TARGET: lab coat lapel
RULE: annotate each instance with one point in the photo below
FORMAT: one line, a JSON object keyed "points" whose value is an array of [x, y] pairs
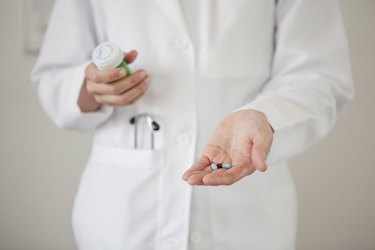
{"points": [[172, 9]]}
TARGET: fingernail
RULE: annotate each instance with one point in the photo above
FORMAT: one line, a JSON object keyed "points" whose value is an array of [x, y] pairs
{"points": [[191, 182], [122, 73], [142, 74], [147, 79]]}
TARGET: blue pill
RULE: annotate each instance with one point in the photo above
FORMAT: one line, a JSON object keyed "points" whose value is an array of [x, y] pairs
{"points": [[214, 166], [226, 165]]}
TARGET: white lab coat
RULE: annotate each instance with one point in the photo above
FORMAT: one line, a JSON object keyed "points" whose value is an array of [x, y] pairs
{"points": [[286, 58]]}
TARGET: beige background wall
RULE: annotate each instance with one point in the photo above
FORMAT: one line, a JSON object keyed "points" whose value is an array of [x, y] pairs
{"points": [[40, 165]]}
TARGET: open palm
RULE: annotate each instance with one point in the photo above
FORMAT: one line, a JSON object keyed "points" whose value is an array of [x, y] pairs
{"points": [[243, 140]]}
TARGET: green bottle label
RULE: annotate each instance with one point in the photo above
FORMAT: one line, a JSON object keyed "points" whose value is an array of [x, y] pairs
{"points": [[124, 65]]}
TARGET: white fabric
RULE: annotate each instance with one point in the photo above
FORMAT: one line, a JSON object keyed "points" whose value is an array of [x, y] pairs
{"points": [[193, 18], [286, 58]]}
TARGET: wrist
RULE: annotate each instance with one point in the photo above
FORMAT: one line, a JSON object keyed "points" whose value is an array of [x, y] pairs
{"points": [[260, 115], [86, 101]]}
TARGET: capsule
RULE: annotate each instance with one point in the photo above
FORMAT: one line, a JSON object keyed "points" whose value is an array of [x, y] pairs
{"points": [[214, 166], [226, 165]]}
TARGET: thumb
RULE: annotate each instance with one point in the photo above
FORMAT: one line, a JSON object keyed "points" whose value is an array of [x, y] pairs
{"points": [[259, 159], [130, 56], [262, 143]]}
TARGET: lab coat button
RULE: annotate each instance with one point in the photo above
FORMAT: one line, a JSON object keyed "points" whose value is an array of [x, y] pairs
{"points": [[181, 43], [196, 237], [182, 140]]}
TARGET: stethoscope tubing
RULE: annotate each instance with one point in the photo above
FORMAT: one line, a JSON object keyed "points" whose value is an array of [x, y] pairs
{"points": [[152, 125]]}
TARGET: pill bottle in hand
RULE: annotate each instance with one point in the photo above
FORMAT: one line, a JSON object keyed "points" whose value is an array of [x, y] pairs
{"points": [[108, 56]]}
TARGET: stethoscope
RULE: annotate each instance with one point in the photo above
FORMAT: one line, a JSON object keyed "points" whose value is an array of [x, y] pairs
{"points": [[152, 125]]}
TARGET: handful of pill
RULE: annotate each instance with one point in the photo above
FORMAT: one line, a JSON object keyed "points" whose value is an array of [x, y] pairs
{"points": [[216, 166]]}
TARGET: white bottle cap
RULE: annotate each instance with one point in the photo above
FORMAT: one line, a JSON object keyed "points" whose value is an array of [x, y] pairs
{"points": [[107, 56]]}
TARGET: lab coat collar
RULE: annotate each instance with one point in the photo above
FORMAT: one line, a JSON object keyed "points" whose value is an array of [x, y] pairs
{"points": [[173, 10]]}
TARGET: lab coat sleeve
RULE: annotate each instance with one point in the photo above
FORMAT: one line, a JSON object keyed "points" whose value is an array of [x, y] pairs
{"points": [[59, 72], [311, 77]]}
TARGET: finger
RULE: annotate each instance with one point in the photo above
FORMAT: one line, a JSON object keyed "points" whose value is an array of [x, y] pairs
{"points": [[125, 98], [197, 178], [262, 143], [219, 178], [194, 177], [116, 88], [137, 98], [90, 72], [131, 56], [139, 95], [206, 170], [106, 76], [227, 176], [199, 165], [216, 178]]}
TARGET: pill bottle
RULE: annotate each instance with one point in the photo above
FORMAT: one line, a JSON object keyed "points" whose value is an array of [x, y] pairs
{"points": [[108, 56]]}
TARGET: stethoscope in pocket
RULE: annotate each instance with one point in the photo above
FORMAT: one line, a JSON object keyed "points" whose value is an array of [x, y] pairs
{"points": [[139, 121]]}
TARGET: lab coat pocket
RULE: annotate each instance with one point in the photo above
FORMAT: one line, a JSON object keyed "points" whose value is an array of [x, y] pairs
{"points": [[117, 202], [125, 157]]}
